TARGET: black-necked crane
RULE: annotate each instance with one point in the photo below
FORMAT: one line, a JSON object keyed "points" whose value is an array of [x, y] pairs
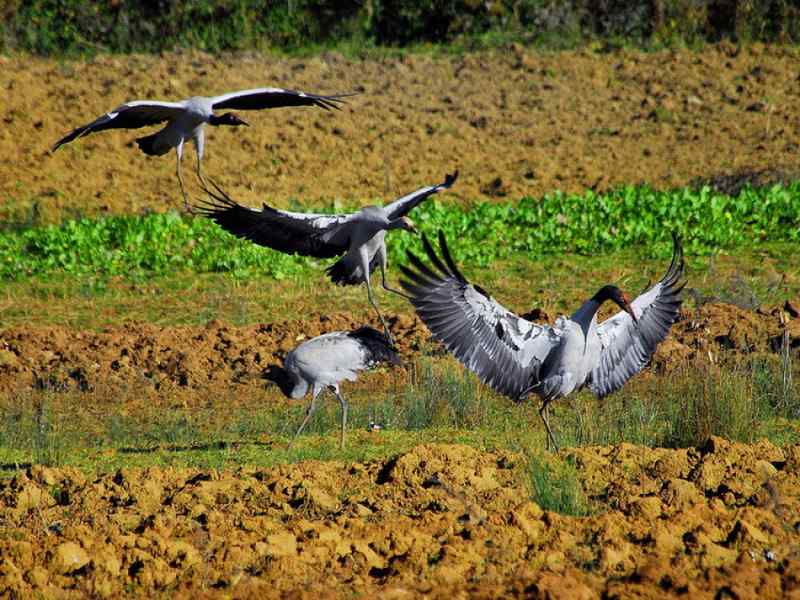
{"points": [[186, 119], [359, 236], [517, 357], [325, 361]]}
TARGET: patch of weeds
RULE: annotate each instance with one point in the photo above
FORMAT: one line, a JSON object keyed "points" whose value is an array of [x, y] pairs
{"points": [[734, 401], [555, 485], [448, 397], [47, 439]]}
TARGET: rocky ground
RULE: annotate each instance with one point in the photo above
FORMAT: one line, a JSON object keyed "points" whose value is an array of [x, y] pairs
{"points": [[514, 122], [443, 521]]}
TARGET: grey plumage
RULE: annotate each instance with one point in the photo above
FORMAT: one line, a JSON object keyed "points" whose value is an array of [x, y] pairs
{"points": [[358, 238], [517, 357], [186, 119], [326, 360]]}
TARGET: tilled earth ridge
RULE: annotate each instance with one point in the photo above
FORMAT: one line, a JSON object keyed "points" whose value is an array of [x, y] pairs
{"points": [[720, 521], [514, 121], [153, 359]]}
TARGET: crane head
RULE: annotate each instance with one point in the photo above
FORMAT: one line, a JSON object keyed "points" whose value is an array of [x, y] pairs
{"points": [[230, 119], [407, 224], [616, 295]]}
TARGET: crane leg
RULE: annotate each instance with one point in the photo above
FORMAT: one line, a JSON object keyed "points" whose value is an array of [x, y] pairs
{"points": [[551, 440], [183, 187], [309, 411], [386, 286], [365, 269], [378, 312], [200, 173], [343, 402]]}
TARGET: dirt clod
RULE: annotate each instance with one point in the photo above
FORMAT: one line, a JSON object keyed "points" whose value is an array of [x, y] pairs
{"points": [[442, 520]]}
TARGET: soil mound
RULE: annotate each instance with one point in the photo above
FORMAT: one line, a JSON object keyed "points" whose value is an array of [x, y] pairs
{"points": [[716, 521], [152, 358]]}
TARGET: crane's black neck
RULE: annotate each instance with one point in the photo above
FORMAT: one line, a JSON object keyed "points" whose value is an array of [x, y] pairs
{"points": [[607, 292], [280, 377], [589, 309]]}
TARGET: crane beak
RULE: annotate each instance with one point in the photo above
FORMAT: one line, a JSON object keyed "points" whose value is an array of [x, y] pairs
{"points": [[629, 310], [409, 226], [626, 306]]}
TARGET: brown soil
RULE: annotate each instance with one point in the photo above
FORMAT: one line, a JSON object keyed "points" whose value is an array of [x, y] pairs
{"points": [[442, 521], [515, 123], [152, 358]]}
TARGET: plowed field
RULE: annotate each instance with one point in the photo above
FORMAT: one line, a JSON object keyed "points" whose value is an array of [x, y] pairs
{"points": [[514, 122]]}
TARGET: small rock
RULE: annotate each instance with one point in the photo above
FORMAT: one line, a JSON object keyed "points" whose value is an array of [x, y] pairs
{"points": [[38, 576], [8, 359], [69, 557], [281, 544], [648, 507], [765, 469], [745, 532], [182, 554], [681, 494]]}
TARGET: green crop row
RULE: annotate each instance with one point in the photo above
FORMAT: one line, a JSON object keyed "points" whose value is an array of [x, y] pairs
{"points": [[479, 233]]}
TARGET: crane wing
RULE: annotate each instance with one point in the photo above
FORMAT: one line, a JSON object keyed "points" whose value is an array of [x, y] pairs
{"points": [[628, 346], [308, 234], [260, 98], [502, 349], [402, 206], [130, 115]]}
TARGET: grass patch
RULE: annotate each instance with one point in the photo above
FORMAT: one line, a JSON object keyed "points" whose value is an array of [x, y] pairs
{"points": [[555, 485], [766, 275], [138, 247], [98, 431]]}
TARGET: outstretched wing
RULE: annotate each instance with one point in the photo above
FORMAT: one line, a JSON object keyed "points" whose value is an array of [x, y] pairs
{"points": [[628, 346], [502, 349], [130, 115], [402, 206], [308, 234], [261, 98]]}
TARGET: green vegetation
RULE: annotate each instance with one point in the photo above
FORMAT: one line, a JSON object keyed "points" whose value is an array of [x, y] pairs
{"points": [[481, 234], [58, 27], [555, 485], [98, 431]]}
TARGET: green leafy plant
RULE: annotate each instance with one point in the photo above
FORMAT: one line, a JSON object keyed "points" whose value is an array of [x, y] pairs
{"points": [[578, 223]]}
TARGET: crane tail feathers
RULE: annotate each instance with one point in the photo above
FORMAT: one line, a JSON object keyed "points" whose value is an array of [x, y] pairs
{"points": [[147, 145], [376, 344]]}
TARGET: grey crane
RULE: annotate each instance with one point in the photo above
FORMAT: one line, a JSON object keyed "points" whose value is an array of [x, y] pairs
{"points": [[359, 237], [186, 119], [326, 360], [517, 357]]}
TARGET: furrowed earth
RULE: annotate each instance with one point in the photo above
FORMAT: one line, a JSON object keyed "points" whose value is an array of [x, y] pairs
{"points": [[438, 520], [514, 122]]}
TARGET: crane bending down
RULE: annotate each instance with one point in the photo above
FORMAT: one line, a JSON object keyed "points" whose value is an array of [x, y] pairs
{"points": [[517, 357], [359, 237], [324, 361], [186, 119]]}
